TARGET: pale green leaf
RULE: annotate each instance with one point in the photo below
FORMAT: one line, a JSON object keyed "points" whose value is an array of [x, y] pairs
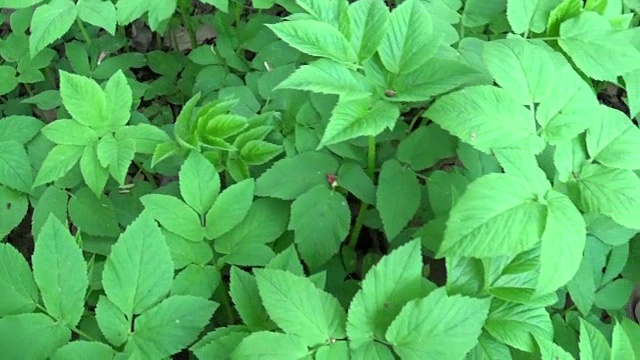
{"points": [[170, 326], [93, 173], [159, 12], [481, 12], [316, 38], [31, 336], [50, 22], [98, 13], [258, 152], [18, 4], [118, 98], [614, 140], [320, 219], [270, 345], [621, 344], [71, 351], [93, 215], [396, 197], [174, 215], [517, 324], [293, 176], [19, 291], [524, 165], [113, 323], [15, 167], [523, 69], [243, 289], [632, 85], [300, 308], [199, 182], [614, 295], [52, 201], [612, 192], [84, 100], [359, 116], [529, 15], [386, 288], [230, 207], [117, 155], [488, 118], [220, 4], [593, 344], [497, 215], [596, 48], [552, 351], [8, 79], [69, 132], [139, 271], [19, 128], [196, 280], [58, 163], [60, 271], [369, 21], [563, 242], [438, 326], [353, 178], [409, 41], [129, 10], [13, 209], [146, 136], [327, 77], [567, 9]]}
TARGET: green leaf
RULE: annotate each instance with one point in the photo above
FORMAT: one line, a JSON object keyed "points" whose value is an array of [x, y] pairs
{"points": [[71, 351], [409, 41], [45, 100], [174, 215], [92, 215], [19, 291], [129, 10], [118, 98], [117, 155], [139, 271], [413, 152], [567, 9], [480, 12], [435, 77], [196, 280], [146, 136], [19, 128], [265, 344], [497, 215], [396, 197], [563, 242], [614, 295], [93, 173], [319, 211], [113, 323], [593, 345], [60, 271], [53, 201], [31, 336], [159, 12], [225, 125], [316, 38], [243, 289], [369, 23], [621, 344], [230, 207], [170, 326], [199, 182], [419, 332], [359, 116], [326, 77], [49, 23], [249, 255], [529, 15], [219, 4], [352, 177], [287, 260], [552, 351], [98, 13], [517, 324], [632, 85], [8, 79], [612, 192], [613, 140], [265, 222], [18, 4], [524, 165], [520, 67], [15, 167], [488, 118], [58, 163], [596, 48], [582, 287], [568, 109], [386, 288], [69, 132], [258, 152], [84, 100], [300, 308], [293, 176]]}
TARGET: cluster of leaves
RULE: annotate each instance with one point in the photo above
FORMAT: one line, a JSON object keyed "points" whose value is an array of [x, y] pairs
{"points": [[351, 180]]}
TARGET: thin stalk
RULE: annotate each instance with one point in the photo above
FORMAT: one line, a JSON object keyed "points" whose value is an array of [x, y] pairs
{"points": [[72, 328], [83, 30], [371, 169], [187, 23]]}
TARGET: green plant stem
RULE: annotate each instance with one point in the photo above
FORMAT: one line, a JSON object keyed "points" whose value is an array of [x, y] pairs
{"points": [[83, 30], [72, 328], [371, 170], [227, 304], [187, 23], [414, 119], [546, 38]]}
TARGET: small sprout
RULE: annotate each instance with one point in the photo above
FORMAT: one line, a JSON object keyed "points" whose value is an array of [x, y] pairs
{"points": [[390, 93]]}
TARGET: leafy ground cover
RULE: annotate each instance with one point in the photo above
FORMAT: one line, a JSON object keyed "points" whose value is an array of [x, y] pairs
{"points": [[319, 179]]}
